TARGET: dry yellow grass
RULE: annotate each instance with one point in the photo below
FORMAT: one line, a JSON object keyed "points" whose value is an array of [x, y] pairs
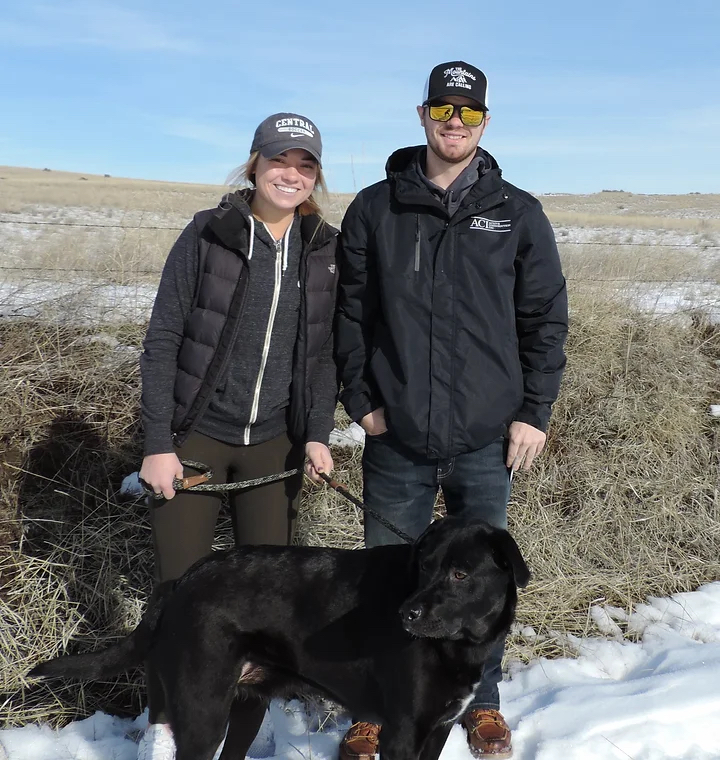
{"points": [[23, 190], [625, 502], [620, 205], [704, 230]]}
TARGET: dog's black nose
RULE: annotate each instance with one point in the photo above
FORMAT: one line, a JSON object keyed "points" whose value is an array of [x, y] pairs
{"points": [[413, 614]]}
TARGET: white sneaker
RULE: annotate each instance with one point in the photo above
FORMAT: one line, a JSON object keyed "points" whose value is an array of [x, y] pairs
{"points": [[156, 743]]}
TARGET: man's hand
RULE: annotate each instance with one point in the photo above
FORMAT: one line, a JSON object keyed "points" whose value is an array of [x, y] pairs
{"points": [[159, 471], [526, 442], [374, 423], [319, 460]]}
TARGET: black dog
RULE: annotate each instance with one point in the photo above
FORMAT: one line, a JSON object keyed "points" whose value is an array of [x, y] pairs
{"points": [[396, 634]]}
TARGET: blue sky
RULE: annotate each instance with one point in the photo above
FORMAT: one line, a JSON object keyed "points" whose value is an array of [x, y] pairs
{"points": [[583, 96]]}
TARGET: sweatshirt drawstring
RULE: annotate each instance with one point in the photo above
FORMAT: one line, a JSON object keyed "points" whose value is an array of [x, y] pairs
{"points": [[252, 237], [286, 246]]}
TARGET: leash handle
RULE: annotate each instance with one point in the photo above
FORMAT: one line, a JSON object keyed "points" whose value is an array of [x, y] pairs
{"points": [[182, 484], [194, 483]]}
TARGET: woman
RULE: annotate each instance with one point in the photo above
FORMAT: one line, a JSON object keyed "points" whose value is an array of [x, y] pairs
{"points": [[237, 371]]}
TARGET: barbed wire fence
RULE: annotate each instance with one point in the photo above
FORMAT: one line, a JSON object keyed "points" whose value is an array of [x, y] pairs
{"points": [[20, 274]]}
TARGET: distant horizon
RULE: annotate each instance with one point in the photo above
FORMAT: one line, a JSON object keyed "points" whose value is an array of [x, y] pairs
{"points": [[107, 175]]}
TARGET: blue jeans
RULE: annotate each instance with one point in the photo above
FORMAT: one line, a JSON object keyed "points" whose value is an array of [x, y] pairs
{"points": [[402, 485]]}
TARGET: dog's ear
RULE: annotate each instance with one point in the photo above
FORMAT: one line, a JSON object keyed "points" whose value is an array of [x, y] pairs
{"points": [[508, 555], [429, 537], [434, 527]]}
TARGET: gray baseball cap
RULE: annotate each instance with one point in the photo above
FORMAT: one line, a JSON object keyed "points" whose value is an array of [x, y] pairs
{"points": [[283, 131]]}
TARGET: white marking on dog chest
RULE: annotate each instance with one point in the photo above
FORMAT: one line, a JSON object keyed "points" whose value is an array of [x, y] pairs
{"points": [[464, 704]]}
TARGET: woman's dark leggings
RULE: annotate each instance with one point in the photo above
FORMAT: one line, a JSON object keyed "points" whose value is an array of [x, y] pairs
{"points": [[183, 529]]}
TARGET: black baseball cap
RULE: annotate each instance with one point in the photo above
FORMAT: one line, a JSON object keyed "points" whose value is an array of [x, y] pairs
{"points": [[283, 131], [456, 78]]}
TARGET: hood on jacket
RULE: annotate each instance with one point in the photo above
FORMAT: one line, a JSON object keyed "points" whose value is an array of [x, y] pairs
{"points": [[408, 185], [402, 160]]}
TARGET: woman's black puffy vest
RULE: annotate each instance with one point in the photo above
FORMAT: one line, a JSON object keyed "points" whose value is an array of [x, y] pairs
{"points": [[215, 319]]}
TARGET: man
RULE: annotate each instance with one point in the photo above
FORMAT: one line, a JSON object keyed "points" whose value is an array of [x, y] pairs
{"points": [[452, 318]]}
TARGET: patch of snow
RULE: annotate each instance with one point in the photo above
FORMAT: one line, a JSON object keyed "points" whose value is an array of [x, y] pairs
{"points": [[654, 699], [353, 435], [79, 302]]}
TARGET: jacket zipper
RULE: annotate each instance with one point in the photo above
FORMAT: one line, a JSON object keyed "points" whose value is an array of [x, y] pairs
{"points": [[417, 242], [280, 260]]}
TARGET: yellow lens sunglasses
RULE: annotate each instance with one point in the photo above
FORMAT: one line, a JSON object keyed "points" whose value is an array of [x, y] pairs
{"points": [[470, 117]]}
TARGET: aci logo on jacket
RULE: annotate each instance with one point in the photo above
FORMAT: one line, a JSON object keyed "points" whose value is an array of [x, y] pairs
{"points": [[490, 225]]}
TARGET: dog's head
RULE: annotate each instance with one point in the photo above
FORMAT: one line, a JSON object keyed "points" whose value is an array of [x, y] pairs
{"points": [[467, 574]]}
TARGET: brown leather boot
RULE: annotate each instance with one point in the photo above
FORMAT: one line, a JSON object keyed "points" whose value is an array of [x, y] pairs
{"points": [[360, 742], [488, 734]]}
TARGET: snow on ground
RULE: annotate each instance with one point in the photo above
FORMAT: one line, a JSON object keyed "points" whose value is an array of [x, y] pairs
{"points": [[99, 303], [82, 215], [630, 236], [654, 699], [671, 297], [80, 302]]}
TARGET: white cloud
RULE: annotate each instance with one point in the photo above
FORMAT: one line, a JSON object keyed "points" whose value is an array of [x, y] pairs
{"points": [[217, 135], [92, 24]]}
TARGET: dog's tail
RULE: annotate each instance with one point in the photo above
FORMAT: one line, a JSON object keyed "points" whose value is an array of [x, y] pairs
{"points": [[127, 653]]}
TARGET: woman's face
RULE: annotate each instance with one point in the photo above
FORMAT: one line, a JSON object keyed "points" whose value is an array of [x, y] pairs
{"points": [[286, 180]]}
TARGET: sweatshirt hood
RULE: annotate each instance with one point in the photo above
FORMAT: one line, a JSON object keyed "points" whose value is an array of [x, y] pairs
{"points": [[231, 222]]}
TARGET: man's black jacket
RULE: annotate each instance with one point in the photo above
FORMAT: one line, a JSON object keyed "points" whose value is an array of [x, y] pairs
{"points": [[455, 325]]}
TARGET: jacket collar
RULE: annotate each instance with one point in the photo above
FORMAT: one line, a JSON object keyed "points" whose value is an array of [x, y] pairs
{"points": [[408, 186], [230, 223]]}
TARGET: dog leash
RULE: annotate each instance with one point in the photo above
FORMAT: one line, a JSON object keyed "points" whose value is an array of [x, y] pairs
{"points": [[199, 482], [195, 483], [343, 491]]}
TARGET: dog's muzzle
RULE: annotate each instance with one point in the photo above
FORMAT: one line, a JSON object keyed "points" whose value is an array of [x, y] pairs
{"points": [[418, 621]]}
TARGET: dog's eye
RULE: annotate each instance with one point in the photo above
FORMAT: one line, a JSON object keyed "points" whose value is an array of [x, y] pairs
{"points": [[459, 575]]}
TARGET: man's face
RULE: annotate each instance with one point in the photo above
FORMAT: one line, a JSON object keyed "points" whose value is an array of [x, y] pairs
{"points": [[452, 141]]}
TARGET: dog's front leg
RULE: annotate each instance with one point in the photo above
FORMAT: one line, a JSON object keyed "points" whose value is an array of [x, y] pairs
{"points": [[410, 739], [246, 717], [435, 741]]}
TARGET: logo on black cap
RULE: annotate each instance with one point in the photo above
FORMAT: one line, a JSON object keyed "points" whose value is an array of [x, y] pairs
{"points": [[458, 77]]}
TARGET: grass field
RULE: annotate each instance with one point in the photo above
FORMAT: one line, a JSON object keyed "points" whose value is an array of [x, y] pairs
{"points": [[625, 502]]}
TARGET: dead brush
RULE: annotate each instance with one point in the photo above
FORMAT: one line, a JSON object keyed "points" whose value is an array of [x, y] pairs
{"points": [[623, 504], [69, 568]]}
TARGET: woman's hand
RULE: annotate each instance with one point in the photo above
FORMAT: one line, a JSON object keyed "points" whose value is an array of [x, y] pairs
{"points": [[159, 471], [319, 460]]}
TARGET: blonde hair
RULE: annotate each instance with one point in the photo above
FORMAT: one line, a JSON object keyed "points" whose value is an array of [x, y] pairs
{"points": [[244, 176]]}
